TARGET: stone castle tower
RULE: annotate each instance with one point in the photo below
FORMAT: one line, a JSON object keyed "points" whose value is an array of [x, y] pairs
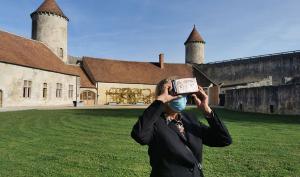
{"points": [[50, 26], [194, 48]]}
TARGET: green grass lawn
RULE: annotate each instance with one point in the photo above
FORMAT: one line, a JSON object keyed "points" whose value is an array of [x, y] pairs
{"points": [[98, 143]]}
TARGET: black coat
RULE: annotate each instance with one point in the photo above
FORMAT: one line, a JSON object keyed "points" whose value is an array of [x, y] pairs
{"points": [[171, 154]]}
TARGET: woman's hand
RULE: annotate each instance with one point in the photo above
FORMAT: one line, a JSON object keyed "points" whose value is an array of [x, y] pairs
{"points": [[201, 100], [165, 96]]}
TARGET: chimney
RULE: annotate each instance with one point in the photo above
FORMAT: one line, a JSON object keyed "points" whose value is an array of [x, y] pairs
{"points": [[161, 60]]}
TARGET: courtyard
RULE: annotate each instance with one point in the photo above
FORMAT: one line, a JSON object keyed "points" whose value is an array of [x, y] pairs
{"points": [[97, 142]]}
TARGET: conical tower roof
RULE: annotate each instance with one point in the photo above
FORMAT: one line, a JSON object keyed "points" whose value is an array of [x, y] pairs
{"points": [[194, 36], [50, 6]]}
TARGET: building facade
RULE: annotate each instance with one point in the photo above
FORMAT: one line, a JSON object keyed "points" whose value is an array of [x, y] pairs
{"points": [[259, 83], [32, 87], [39, 72]]}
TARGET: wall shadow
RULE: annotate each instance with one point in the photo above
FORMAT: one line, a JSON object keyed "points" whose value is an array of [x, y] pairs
{"points": [[224, 114], [235, 116], [112, 113]]}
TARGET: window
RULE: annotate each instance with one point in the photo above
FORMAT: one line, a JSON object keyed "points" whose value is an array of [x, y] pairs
{"points": [[61, 52], [45, 90], [87, 95], [27, 89], [271, 108], [58, 90], [90, 96], [70, 91], [240, 107]]}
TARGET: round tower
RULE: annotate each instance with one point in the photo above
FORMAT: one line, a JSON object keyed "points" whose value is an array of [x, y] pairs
{"points": [[50, 26], [194, 48]]}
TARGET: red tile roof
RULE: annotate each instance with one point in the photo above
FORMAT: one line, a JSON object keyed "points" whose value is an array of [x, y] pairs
{"points": [[34, 54], [85, 82], [29, 53], [50, 6], [194, 36], [117, 71]]}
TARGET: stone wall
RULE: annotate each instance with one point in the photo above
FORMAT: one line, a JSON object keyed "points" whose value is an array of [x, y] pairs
{"points": [[254, 69], [194, 52], [282, 99], [52, 30], [12, 82], [264, 82]]}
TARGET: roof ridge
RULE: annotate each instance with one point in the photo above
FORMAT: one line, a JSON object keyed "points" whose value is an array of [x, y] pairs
{"points": [[111, 59], [133, 72], [107, 59]]}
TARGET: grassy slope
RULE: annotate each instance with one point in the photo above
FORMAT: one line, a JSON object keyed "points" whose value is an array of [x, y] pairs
{"points": [[98, 143]]}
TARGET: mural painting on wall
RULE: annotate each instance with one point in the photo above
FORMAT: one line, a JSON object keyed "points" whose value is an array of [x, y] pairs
{"points": [[129, 96]]}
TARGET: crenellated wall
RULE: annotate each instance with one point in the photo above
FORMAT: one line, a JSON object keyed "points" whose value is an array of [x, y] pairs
{"points": [[254, 69]]}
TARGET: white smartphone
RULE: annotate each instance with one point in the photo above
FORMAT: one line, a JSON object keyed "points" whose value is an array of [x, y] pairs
{"points": [[184, 86]]}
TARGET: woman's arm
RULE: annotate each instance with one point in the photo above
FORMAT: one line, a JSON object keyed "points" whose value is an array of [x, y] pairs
{"points": [[142, 131], [216, 134]]}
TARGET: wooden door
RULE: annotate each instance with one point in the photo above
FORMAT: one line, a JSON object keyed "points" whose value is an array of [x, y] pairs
{"points": [[88, 97]]}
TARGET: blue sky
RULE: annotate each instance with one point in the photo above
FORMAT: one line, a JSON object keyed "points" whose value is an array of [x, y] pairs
{"points": [[138, 30]]}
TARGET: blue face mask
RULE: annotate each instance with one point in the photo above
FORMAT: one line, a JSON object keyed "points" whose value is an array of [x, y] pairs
{"points": [[178, 104]]}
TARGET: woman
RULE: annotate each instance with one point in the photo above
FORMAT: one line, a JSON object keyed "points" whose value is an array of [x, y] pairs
{"points": [[174, 137]]}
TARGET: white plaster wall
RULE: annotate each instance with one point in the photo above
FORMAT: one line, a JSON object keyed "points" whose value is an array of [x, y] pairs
{"points": [[102, 87], [194, 53], [53, 31], [12, 79]]}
